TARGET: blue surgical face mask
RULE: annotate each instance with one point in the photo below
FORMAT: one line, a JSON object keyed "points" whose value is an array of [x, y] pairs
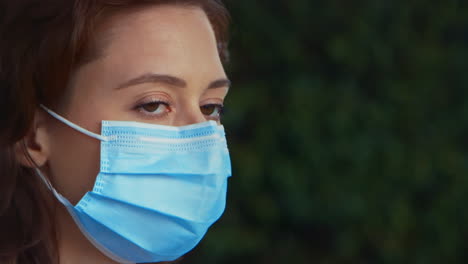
{"points": [[158, 190]]}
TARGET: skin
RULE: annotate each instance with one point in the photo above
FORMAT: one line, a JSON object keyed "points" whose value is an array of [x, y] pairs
{"points": [[161, 40]]}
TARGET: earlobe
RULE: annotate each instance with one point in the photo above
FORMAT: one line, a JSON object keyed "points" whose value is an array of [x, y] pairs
{"points": [[33, 150]]}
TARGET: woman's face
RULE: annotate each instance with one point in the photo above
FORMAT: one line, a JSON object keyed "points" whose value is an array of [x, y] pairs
{"points": [[157, 65]]}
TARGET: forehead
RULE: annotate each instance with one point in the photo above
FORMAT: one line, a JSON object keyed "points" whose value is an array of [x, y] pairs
{"points": [[163, 28], [155, 24], [170, 40], [166, 38]]}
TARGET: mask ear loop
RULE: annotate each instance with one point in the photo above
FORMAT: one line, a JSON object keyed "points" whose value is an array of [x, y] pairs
{"points": [[74, 126], [84, 231], [44, 179], [50, 187]]}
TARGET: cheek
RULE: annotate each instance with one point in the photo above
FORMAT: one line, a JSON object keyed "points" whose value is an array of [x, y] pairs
{"points": [[73, 163]]}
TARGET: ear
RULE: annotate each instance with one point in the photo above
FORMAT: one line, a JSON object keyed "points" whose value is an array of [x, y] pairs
{"points": [[33, 149]]}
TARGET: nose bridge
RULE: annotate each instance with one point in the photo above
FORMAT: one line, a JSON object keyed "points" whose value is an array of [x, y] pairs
{"points": [[188, 115]]}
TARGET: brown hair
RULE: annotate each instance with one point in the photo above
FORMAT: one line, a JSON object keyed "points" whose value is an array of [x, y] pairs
{"points": [[42, 43]]}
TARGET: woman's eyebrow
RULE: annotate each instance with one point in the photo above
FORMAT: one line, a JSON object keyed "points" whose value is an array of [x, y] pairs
{"points": [[154, 78], [169, 80], [220, 84]]}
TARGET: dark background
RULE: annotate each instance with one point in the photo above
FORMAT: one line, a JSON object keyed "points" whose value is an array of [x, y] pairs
{"points": [[348, 129]]}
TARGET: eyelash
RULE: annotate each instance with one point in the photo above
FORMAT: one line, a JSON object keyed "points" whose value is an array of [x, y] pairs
{"points": [[218, 107], [140, 108]]}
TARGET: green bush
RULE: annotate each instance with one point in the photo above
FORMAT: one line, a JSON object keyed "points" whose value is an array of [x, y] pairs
{"points": [[348, 128]]}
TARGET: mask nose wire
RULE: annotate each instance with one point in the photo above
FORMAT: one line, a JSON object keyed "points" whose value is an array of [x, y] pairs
{"points": [[74, 126]]}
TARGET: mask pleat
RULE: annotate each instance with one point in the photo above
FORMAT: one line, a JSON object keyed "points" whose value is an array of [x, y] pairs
{"points": [[168, 194], [111, 241], [107, 210]]}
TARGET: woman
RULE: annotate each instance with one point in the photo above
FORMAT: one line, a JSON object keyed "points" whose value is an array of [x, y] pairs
{"points": [[141, 188]]}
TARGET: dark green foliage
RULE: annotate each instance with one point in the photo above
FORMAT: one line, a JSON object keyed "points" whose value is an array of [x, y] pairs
{"points": [[348, 127]]}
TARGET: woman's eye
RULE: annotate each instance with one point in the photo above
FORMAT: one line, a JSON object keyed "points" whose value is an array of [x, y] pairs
{"points": [[212, 110], [154, 108]]}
